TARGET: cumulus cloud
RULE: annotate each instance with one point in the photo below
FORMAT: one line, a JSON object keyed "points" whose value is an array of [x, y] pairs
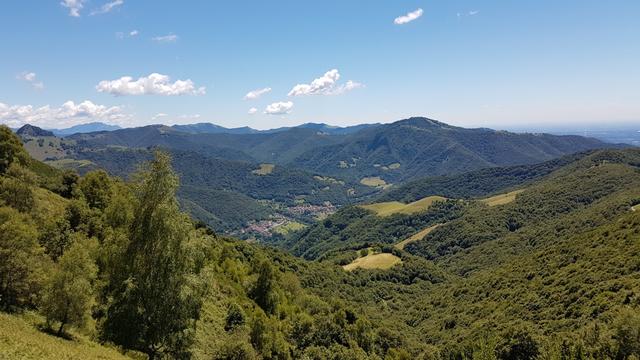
{"points": [[165, 39], [108, 7], [252, 111], [134, 33], [279, 108], [255, 94], [154, 84], [327, 84], [401, 20], [30, 77], [69, 114], [74, 6]]}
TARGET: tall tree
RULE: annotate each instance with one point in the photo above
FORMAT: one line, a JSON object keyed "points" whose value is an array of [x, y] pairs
{"points": [[10, 149], [151, 311], [69, 292]]}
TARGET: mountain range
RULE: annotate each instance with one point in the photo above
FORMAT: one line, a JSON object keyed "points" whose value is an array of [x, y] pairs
{"points": [[233, 178]]}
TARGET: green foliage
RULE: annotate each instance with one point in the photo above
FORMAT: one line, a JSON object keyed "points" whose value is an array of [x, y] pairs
{"points": [[68, 294], [235, 317], [11, 149], [17, 194], [264, 292], [152, 308], [95, 187], [517, 344], [22, 262]]}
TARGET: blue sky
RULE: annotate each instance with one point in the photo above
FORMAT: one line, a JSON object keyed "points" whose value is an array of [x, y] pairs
{"points": [[500, 64]]}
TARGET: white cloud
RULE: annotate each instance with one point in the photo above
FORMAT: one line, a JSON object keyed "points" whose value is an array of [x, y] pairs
{"points": [[473, 12], [30, 77], [350, 85], [74, 6], [158, 116], [401, 20], [325, 85], [166, 39], [108, 7], [154, 84], [279, 108], [255, 94], [132, 33], [69, 114], [319, 86], [252, 111]]}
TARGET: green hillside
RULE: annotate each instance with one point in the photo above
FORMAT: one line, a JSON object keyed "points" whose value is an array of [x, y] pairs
{"points": [[397, 152], [99, 267], [102, 267], [554, 270]]}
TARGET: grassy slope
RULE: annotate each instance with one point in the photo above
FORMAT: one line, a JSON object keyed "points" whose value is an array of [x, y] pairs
{"points": [[21, 339], [417, 237], [396, 207], [502, 199], [374, 261]]}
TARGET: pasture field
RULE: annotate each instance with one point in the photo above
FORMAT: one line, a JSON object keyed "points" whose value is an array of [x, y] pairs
{"points": [[382, 261], [45, 147], [501, 199], [69, 163], [20, 338], [289, 227], [394, 207], [374, 181], [417, 237], [265, 169]]}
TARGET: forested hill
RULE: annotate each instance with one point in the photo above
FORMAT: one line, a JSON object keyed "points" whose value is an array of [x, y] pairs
{"points": [[552, 267], [419, 147], [395, 152], [479, 182], [93, 267]]}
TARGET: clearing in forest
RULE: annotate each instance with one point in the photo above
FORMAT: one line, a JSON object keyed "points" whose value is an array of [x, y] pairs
{"points": [[382, 261], [396, 207], [416, 237], [502, 198], [265, 169], [374, 181]]}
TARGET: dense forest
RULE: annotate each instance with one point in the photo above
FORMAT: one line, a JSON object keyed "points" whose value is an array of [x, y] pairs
{"points": [[94, 266]]}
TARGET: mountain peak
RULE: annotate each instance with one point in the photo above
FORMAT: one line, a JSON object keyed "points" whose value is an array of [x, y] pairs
{"points": [[423, 122], [30, 130], [85, 128]]}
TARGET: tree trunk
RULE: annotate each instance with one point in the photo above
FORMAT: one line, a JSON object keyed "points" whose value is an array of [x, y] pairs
{"points": [[60, 329]]}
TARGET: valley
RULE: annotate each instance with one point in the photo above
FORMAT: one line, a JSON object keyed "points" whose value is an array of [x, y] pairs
{"points": [[436, 263], [247, 183]]}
